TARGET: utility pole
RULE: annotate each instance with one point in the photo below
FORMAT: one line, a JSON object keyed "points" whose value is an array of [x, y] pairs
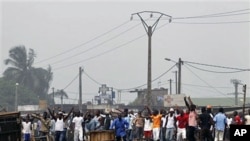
{"points": [[53, 94], [16, 98], [149, 30], [244, 100], [176, 82], [119, 97], [111, 96], [80, 89], [61, 92], [170, 87], [236, 84], [179, 75]]}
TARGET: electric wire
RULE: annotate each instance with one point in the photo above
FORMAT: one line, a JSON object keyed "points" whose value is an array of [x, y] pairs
{"points": [[71, 82], [204, 86], [232, 22], [162, 18], [216, 66], [213, 71], [108, 51], [229, 98], [92, 78], [129, 89], [93, 39], [209, 15], [96, 46], [101, 54]]}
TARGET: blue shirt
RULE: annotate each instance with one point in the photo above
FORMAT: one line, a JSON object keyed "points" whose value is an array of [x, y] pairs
{"points": [[120, 127], [220, 121]]}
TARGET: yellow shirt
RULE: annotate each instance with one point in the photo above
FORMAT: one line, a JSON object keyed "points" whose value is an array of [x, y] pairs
{"points": [[156, 121]]}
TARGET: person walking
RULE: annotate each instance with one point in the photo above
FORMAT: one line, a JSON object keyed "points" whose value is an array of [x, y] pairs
{"points": [[247, 118], [156, 118], [26, 129], [120, 126], [148, 128], [59, 123], [139, 123], [192, 119], [77, 127], [205, 122], [170, 125], [182, 120], [220, 121], [45, 125]]}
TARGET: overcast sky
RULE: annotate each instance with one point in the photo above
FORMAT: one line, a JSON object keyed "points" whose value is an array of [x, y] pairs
{"points": [[99, 37]]}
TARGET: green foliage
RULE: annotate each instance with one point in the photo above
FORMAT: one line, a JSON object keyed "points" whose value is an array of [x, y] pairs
{"points": [[8, 91], [20, 70]]}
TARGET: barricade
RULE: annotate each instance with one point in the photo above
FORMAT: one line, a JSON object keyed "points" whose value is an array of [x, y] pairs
{"points": [[102, 135], [10, 126]]}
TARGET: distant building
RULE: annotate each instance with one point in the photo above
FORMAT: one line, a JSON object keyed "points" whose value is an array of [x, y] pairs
{"points": [[157, 96]]}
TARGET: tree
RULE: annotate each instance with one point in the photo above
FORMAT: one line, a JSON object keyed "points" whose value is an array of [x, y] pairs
{"points": [[21, 71], [62, 94], [7, 95], [21, 66]]}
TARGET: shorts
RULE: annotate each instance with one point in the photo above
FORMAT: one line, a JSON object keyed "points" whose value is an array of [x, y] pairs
{"points": [[147, 134]]}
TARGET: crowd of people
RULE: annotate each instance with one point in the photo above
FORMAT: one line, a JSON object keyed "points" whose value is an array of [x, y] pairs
{"points": [[171, 124]]}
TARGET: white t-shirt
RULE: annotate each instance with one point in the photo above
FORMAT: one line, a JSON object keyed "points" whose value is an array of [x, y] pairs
{"points": [[78, 122], [247, 117], [163, 121], [59, 125], [170, 123], [229, 121], [26, 127], [147, 125]]}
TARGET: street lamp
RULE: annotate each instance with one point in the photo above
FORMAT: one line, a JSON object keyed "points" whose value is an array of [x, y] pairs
{"points": [[16, 107], [179, 63]]}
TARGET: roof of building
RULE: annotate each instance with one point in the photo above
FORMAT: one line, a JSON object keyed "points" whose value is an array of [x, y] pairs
{"points": [[219, 101]]}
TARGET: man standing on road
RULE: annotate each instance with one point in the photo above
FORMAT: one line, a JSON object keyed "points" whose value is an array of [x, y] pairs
{"points": [[220, 121], [120, 125]]}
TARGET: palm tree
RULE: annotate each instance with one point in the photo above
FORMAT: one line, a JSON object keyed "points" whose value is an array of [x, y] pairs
{"points": [[21, 66], [62, 94], [21, 71], [42, 84]]}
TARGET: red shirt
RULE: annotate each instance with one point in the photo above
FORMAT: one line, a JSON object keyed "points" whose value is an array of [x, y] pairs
{"points": [[182, 121], [237, 120]]}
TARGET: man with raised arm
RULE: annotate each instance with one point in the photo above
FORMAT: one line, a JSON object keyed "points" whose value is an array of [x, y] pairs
{"points": [[59, 123]]}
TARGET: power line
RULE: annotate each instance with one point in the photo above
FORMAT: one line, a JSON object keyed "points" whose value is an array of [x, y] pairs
{"points": [[128, 89], [209, 15], [204, 86], [231, 22], [110, 50], [92, 79], [214, 71], [208, 84], [71, 49], [98, 45], [217, 66], [100, 54], [71, 81]]}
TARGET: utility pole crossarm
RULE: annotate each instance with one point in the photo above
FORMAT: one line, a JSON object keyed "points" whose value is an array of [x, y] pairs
{"points": [[149, 29]]}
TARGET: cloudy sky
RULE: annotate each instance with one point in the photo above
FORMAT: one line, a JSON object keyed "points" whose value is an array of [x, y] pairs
{"points": [[99, 37]]}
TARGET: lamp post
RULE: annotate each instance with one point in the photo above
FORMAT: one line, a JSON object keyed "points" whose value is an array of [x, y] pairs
{"points": [[16, 105], [150, 29], [176, 82], [179, 63]]}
